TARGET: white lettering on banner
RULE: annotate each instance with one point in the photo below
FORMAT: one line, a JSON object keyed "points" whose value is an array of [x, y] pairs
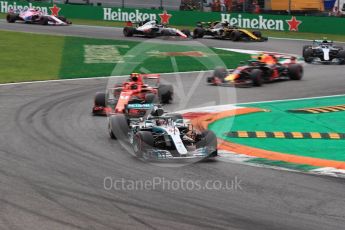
{"points": [[112, 15], [255, 23], [5, 7]]}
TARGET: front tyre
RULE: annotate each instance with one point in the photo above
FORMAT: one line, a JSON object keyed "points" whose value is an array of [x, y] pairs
{"points": [[295, 72], [208, 139], [118, 126], [256, 77], [142, 141], [128, 31]]}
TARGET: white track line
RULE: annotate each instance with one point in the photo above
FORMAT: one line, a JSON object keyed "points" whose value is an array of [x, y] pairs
{"points": [[93, 78]]}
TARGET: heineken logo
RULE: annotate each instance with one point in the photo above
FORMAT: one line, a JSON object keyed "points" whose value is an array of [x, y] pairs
{"points": [[110, 14], [262, 23], [6, 7]]}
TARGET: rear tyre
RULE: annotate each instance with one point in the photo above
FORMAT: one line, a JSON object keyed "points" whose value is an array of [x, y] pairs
{"points": [[235, 36], [100, 99], [198, 32], [165, 93], [256, 76], [341, 56], [118, 126], [186, 32], [12, 18], [128, 31], [43, 21], [295, 72], [143, 140]]}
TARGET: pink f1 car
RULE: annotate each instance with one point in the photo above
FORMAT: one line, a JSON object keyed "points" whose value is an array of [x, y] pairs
{"points": [[34, 16]]}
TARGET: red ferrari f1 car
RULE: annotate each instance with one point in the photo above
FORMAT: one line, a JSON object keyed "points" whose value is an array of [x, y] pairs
{"points": [[139, 88], [264, 68]]}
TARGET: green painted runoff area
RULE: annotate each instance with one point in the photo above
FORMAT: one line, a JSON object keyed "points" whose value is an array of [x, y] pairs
{"points": [[279, 119], [45, 57]]}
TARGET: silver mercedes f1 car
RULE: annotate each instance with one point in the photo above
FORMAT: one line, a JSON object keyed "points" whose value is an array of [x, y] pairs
{"points": [[160, 136], [323, 51]]}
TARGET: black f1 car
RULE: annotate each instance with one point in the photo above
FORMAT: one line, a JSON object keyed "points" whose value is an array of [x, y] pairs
{"points": [[323, 51], [265, 68], [223, 30], [152, 29], [160, 136]]}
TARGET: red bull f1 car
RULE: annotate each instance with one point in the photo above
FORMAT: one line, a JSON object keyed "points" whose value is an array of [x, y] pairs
{"points": [[139, 88], [264, 68], [152, 29], [223, 30], [34, 16]]}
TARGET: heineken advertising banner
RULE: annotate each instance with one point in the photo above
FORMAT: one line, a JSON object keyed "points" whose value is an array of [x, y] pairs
{"points": [[329, 25]]}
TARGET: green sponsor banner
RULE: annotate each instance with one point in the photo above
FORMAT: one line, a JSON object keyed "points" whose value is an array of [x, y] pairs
{"points": [[327, 25]]}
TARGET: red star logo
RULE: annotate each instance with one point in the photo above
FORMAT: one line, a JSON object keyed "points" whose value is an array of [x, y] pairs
{"points": [[293, 23], [165, 17], [55, 10]]}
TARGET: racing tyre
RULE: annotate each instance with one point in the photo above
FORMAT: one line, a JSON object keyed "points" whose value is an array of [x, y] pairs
{"points": [[12, 18], [295, 72], [150, 98], [341, 56], [142, 141], [100, 99], [62, 18], [257, 34], [235, 36], [220, 72], [118, 126], [208, 139], [186, 32], [128, 31], [165, 93], [198, 32], [256, 76], [43, 21], [308, 54]]}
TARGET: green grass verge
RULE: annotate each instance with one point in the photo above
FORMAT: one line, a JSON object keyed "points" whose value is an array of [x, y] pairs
{"points": [[279, 119], [29, 57], [268, 33]]}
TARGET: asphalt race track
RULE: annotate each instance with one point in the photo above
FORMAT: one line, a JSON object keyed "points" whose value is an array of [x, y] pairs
{"points": [[55, 157]]}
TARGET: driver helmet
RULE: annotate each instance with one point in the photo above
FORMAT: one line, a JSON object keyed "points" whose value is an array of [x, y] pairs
{"points": [[160, 122], [134, 77]]}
